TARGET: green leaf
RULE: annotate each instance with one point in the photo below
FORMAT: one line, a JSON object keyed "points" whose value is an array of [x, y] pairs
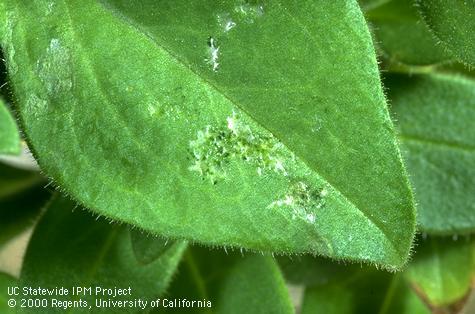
{"points": [[5, 282], [229, 123], [9, 135], [14, 181], [312, 271], [442, 272], [367, 291], [339, 288], [148, 248], [367, 5], [21, 197], [457, 68], [403, 36], [70, 248], [232, 282], [435, 115], [453, 23], [256, 282], [438, 278]]}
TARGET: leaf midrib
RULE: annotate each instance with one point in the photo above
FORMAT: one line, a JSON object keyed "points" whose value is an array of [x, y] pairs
{"points": [[126, 21]]}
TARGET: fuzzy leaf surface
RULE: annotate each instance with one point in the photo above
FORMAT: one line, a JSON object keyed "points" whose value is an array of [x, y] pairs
{"points": [[88, 252], [228, 123], [453, 23], [435, 115], [9, 135]]}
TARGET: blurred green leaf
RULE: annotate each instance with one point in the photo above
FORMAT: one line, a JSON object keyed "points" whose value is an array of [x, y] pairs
{"points": [[209, 124], [315, 271], [233, 283], [442, 272], [338, 288], [403, 36], [5, 282], [438, 279], [9, 134], [147, 247], [453, 22], [435, 114], [21, 198], [70, 248], [457, 68], [14, 181], [367, 5], [366, 291]]}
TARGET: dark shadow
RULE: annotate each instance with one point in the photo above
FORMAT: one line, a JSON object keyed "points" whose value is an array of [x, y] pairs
{"points": [[5, 89]]}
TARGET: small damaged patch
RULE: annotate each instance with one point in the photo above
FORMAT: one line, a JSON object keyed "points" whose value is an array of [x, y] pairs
{"points": [[249, 11], [225, 22], [303, 200], [215, 147], [54, 69], [213, 54]]}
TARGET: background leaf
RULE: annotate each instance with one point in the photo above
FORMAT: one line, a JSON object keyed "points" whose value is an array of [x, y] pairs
{"points": [[21, 198], [403, 36], [195, 125], [255, 276], [86, 252], [438, 279], [365, 291], [5, 282], [367, 5], [9, 135], [232, 282], [453, 23], [148, 248], [443, 271], [313, 271], [435, 115]]}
